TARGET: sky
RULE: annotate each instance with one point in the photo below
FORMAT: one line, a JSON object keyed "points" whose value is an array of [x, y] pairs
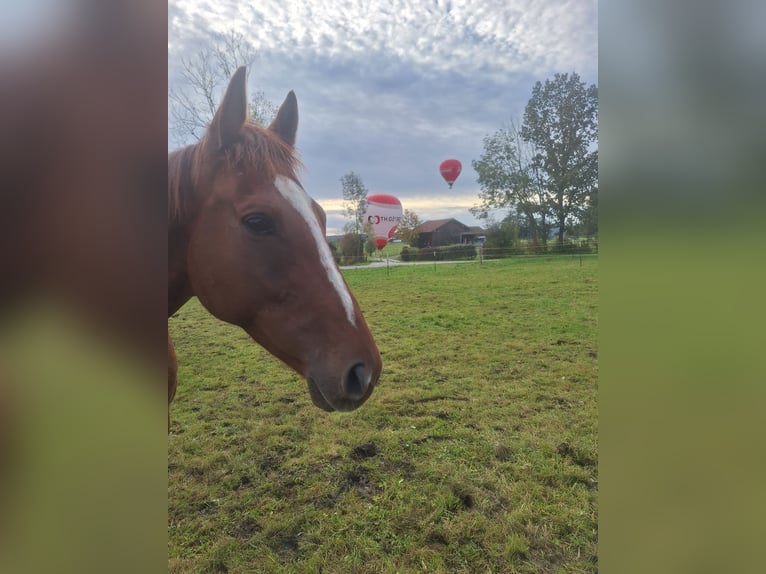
{"points": [[390, 88]]}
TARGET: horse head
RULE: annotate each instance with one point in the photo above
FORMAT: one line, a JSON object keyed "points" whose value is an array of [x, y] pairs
{"points": [[256, 254]]}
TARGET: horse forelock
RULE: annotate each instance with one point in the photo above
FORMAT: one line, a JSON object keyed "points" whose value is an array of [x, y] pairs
{"points": [[262, 149], [257, 148]]}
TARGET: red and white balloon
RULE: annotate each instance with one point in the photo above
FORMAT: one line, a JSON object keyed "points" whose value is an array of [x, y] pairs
{"points": [[384, 213]]}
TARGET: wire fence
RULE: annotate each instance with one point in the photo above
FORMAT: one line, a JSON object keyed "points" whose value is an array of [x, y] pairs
{"points": [[479, 253], [579, 247]]}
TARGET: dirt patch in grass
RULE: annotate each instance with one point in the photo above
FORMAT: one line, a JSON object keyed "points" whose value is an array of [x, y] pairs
{"points": [[579, 458], [358, 480], [436, 538], [284, 542], [503, 453], [465, 494], [246, 528], [270, 462], [365, 450]]}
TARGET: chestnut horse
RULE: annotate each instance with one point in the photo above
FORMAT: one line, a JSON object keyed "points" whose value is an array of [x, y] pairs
{"points": [[247, 240]]}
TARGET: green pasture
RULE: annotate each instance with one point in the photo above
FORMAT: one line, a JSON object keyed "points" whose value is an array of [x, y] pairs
{"points": [[476, 453]]}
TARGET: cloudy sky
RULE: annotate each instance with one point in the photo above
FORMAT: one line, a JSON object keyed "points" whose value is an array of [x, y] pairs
{"points": [[390, 88]]}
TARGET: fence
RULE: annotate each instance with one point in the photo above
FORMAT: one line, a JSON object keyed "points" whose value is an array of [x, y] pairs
{"points": [[466, 252], [570, 247]]}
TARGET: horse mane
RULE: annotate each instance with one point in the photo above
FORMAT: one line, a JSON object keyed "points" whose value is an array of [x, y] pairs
{"points": [[183, 172], [257, 148]]}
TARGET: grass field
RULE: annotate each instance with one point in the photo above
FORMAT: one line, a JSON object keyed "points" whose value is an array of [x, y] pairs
{"points": [[477, 452]]}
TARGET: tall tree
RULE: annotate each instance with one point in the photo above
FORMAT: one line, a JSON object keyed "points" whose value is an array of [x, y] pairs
{"points": [[508, 178], [354, 200], [546, 170], [561, 123], [193, 100], [408, 228]]}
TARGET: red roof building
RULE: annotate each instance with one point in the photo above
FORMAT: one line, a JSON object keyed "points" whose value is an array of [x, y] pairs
{"points": [[446, 232]]}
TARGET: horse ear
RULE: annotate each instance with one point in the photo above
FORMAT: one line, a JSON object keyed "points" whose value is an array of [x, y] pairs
{"points": [[232, 113], [285, 125]]}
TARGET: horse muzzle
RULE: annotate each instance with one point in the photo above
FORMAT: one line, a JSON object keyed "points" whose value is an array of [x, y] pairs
{"points": [[348, 394]]}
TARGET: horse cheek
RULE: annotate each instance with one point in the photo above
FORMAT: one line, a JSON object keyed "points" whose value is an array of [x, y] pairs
{"points": [[213, 262]]}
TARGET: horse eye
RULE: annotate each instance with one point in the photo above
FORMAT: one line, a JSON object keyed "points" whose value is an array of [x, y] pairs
{"points": [[259, 224]]}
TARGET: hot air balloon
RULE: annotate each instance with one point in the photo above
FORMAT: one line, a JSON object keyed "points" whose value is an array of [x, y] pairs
{"points": [[450, 169], [384, 212]]}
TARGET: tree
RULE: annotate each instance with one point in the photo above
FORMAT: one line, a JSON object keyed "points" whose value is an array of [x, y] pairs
{"points": [[408, 228], [368, 234], [561, 123], [194, 100], [505, 233], [354, 200], [352, 248], [546, 170], [509, 179], [589, 220], [369, 245]]}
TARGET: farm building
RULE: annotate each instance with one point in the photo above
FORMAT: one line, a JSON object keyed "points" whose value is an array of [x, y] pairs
{"points": [[447, 232]]}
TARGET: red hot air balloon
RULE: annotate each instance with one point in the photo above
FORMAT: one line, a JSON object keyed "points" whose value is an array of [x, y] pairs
{"points": [[384, 213], [450, 169]]}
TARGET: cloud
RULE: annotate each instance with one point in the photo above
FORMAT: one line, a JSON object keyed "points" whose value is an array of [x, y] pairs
{"points": [[495, 37]]}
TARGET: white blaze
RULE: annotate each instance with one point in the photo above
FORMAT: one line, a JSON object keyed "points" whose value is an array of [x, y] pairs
{"points": [[300, 200]]}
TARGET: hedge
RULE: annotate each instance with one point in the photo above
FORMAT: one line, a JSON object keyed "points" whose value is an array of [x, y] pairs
{"points": [[445, 253]]}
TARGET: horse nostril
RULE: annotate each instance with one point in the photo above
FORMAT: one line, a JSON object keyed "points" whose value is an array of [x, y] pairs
{"points": [[357, 382]]}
